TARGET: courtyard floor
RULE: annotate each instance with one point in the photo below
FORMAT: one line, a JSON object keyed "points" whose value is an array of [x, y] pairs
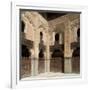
{"points": [[52, 75]]}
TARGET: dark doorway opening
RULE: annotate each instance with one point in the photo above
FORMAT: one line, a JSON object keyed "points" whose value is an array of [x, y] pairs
{"points": [[25, 62], [76, 55], [57, 37], [25, 51], [41, 54], [22, 26]]}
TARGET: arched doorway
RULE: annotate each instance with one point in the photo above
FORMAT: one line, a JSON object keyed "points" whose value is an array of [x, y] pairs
{"points": [[41, 64], [25, 52], [76, 55], [57, 62], [25, 62]]}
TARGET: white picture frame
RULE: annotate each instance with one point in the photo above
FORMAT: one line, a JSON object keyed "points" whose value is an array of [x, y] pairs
{"points": [[15, 7]]}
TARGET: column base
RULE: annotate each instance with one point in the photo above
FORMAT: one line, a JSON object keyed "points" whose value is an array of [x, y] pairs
{"points": [[47, 66], [67, 65], [34, 67]]}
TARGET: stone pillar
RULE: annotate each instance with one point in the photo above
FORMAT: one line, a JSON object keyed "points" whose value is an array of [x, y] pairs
{"points": [[60, 38], [32, 63], [36, 51], [32, 67], [47, 60], [67, 49], [53, 38], [67, 65]]}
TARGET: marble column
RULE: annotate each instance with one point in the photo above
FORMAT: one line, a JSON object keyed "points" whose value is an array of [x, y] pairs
{"points": [[32, 63], [67, 49], [36, 52], [60, 38], [47, 60], [53, 37]]}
